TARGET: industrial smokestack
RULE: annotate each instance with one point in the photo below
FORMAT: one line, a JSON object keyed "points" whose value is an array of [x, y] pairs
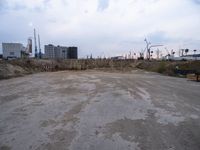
{"points": [[40, 53], [36, 52]]}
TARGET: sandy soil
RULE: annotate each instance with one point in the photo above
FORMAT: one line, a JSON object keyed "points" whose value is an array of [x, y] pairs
{"points": [[93, 110]]}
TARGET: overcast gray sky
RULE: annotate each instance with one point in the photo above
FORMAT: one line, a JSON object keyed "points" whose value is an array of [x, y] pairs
{"points": [[103, 27]]}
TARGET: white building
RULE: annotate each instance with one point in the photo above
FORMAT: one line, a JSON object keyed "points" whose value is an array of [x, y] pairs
{"points": [[188, 57], [12, 50], [55, 52], [118, 58]]}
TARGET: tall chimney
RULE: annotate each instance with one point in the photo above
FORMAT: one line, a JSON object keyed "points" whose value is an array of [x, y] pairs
{"points": [[36, 52]]}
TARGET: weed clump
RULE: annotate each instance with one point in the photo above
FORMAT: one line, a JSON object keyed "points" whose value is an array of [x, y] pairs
{"points": [[162, 67]]}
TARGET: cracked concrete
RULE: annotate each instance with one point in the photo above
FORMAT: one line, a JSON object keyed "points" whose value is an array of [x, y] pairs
{"points": [[93, 110]]}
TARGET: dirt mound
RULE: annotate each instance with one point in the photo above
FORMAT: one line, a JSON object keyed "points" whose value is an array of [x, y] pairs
{"points": [[20, 67], [9, 71]]}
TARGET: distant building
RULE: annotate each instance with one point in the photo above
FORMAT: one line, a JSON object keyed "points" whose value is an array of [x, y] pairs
{"points": [[190, 57], [72, 53], [184, 57], [118, 58], [13, 50], [60, 52], [49, 51]]}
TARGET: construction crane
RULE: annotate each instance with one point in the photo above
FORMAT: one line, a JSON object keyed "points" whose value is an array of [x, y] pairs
{"points": [[169, 55], [148, 47], [142, 54]]}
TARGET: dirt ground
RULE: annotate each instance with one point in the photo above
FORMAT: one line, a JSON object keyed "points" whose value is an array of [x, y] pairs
{"points": [[92, 110]]}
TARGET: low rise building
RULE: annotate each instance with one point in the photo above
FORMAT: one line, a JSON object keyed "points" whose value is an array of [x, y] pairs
{"points": [[118, 58], [13, 50], [185, 57], [191, 57]]}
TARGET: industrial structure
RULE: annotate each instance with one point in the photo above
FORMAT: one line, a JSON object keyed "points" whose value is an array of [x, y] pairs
{"points": [[16, 50], [60, 52], [29, 46], [36, 51]]}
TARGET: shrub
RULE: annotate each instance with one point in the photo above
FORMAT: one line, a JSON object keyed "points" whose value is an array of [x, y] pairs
{"points": [[162, 67]]}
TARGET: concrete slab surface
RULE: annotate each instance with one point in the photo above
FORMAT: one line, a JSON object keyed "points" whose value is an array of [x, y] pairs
{"points": [[93, 110]]}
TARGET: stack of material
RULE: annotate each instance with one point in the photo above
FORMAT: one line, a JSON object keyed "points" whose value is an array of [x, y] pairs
{"points": [[194, 77]]}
